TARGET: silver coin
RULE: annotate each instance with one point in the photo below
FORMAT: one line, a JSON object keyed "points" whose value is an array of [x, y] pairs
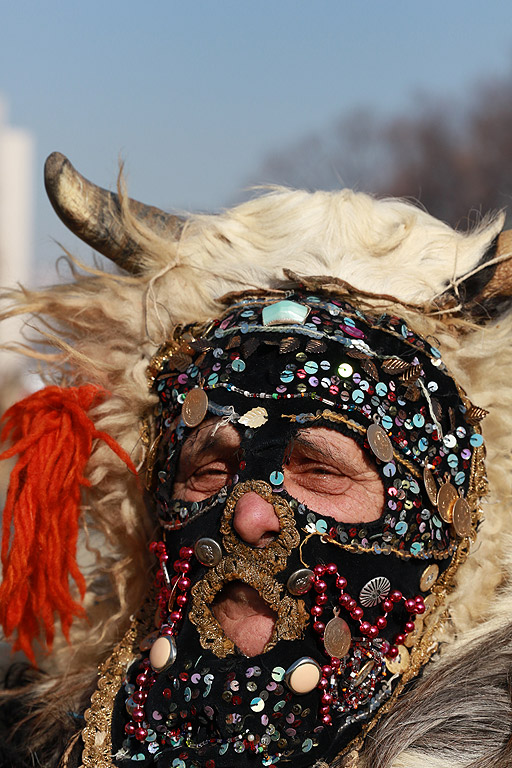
{"points": [[208, 552]]}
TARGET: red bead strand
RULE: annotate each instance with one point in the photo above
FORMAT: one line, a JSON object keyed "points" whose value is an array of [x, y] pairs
{"points": [[168, 620]]}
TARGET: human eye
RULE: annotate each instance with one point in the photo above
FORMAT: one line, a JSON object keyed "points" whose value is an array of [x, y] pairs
{"points": [[207, 462], [316, 473], [197, 481], [331, 474]]}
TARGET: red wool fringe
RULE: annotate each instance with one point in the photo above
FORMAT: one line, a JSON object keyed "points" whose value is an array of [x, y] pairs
{"points": [[53, 435]]}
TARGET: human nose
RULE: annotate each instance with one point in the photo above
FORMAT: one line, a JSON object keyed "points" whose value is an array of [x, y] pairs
{"points": [[255, 520]]}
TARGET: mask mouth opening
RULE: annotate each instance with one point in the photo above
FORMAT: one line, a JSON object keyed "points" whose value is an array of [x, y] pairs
{"points": [[244, 617]]}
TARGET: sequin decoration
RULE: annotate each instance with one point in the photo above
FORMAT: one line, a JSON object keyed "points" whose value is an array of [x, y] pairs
{"points": [[329, 361]]}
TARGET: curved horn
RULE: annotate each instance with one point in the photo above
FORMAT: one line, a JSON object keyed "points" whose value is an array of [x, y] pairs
{"points": [[94, 214], [487, 291], [499, 286]]}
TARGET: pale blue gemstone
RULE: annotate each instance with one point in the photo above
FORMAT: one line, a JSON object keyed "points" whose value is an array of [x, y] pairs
{"points": [[284, 312]]}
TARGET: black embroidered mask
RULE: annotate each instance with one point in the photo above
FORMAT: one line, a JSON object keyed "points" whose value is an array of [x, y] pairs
{"points": [[317, 482]]}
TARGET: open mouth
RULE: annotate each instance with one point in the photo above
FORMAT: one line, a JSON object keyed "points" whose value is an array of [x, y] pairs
{"points": [[245, 618]]}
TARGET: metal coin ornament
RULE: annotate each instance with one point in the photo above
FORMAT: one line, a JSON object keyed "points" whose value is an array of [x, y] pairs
{"points": [[337, 637], [379, 442], [461, 519], [300, 581], [303, 675], [415, 635], [208, 552], [429, 577], [195, 407], [429, 603], [163, 653], [430, 485], [400, 663], [445, 500]]}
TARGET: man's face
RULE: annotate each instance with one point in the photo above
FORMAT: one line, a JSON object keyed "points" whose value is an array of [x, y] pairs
{"points": [[323, 469], [304, 458]]}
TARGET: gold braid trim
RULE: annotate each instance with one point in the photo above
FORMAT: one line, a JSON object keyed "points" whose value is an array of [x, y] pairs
{"points": [[291, 615], [255, 567], [385, 550], [97, 734]]}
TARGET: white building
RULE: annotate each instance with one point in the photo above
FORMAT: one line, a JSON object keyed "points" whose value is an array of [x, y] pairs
{"points": [[16, 223]]}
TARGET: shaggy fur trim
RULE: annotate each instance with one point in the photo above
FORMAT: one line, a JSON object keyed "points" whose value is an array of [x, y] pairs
{"points": [[104, 329]]}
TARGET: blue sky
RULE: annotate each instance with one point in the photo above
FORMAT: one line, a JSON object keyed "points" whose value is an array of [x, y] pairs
{"points": [[194, 95]]}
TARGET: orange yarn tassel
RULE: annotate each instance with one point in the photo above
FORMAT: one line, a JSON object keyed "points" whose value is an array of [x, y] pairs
{"points": [[53, 435]]}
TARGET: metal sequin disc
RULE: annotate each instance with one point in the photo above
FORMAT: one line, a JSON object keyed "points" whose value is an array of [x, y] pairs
{"points": [[430, 604], [303, 675], [379, 442], [429, 577], [208, 552], [195, 407], [461, 518], [430, 485], [400, 663], [300, 581], [337, 638], [162, 653], [415, 635], [445, 499]]}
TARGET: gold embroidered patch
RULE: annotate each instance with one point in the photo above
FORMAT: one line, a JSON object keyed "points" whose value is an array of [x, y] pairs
{"points": [[273, 557], [291, 615]]}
